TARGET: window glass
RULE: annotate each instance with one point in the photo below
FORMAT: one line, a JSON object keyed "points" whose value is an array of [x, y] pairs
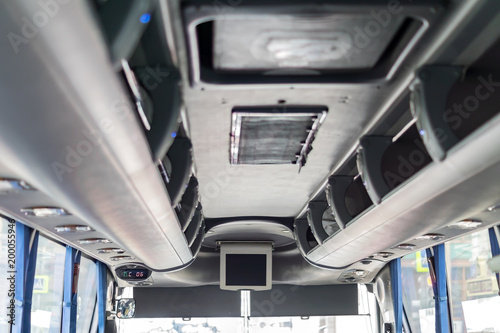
{"points": [[475, 304], [418, 295], [4, 268], [48, 287], [331, 324], [334, 324], [87, 286], [177, 325]]}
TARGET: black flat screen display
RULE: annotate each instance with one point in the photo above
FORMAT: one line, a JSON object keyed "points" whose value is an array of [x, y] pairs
{"points": [[246, 269]]}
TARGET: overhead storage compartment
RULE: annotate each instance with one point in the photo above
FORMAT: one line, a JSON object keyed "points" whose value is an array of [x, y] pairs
{"points": [[451, 102], [460, 187], [135, 34], [385, 163], [302, 42], [84, 147]]}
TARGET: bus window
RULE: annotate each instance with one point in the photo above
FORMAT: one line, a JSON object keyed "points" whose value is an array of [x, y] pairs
{"points": [[87, 295], [180, 325], [473, 287], [417, 292], [365, 322], [48, 287]]}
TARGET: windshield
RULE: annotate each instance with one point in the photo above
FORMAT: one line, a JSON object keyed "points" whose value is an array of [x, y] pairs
{"points": [[365, 322], [321, 324]]}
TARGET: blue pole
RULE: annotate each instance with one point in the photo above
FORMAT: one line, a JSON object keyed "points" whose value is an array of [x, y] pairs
{"points": [[22, 254], [101, 296], [72, 261], [397, 293], [29, 282], [441, 295]]}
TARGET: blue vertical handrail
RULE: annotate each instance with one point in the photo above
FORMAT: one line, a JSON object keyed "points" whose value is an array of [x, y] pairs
{"points": [[70, 296], [101, 296], [25, 277], [442, 315], [22, 253], [397, 293], [495, 249], [29, 283]]}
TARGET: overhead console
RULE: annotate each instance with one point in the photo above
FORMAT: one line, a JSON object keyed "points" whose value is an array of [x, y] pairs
{"points": [[303, 42]]}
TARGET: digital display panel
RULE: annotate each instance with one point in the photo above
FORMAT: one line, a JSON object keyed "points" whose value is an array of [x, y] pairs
{"points": [[133, 274], [246, 265], [246, 269]]}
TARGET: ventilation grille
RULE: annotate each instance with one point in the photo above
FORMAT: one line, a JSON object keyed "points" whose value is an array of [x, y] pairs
{"points": [[274, 135]]}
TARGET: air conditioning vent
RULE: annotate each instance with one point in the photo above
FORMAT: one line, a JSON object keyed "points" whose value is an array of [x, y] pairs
{"points": [[274, 135]]}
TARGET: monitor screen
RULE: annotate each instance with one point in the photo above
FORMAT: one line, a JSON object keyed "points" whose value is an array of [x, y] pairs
{"points": [[246, 266], [246, 269]]}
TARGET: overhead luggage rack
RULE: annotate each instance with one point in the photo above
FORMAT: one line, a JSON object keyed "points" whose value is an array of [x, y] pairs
{"points": [[301, 42]]}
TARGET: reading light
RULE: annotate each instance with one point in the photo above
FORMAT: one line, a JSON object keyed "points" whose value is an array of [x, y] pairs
{"points": [[434, 237], [9, 185], [352, 275], [494, 208], [44, 211], [73, 228], [466, 224], [141, 283], [406, 246], [118, 258], [94, 241], [383, 254], [110, 250]]}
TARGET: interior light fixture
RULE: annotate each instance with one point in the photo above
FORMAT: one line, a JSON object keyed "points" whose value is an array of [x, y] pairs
{"points": [[383, 254], [434, 237], [119, 258], [465, 224], [110, 250], [94, 241], [44, 211], [10, 185], [494, 208], [352, 275], [406, 246], [73, 228]]}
